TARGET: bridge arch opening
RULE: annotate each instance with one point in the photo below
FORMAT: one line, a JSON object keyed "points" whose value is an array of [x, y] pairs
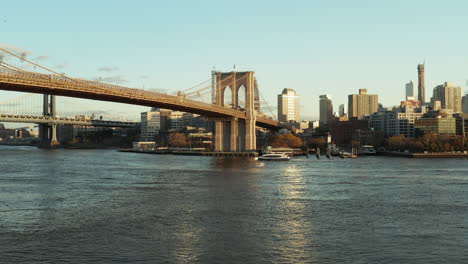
{"points": [[227, 97], [241, 95]]}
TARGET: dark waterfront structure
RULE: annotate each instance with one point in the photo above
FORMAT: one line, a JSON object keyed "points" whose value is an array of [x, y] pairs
{"points": [[421, 85]]}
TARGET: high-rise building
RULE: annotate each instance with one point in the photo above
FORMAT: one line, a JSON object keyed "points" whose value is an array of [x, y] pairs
{"points": [[341, 110], [449, 95], [465, 104], [409, 89], [421, 85], [150, 124], [362, 104], [326, 109], [288, 106]]}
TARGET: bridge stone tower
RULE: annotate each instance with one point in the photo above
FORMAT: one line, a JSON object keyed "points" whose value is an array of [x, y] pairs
{"points": [[233, 134], [48, 133]]}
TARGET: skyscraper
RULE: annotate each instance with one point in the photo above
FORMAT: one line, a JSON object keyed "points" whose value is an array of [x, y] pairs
{"points": [[409, 89], [341, 110], [449, 95], [362, 104], [465, 104], [326, 109], [421, 85], [288, 106]]}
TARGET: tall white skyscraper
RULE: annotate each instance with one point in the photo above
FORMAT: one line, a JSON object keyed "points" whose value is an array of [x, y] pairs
{"points": [[326, 109], [288, 106], [409, 89]]}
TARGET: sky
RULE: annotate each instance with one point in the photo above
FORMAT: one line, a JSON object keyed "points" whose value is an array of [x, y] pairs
{"points": [[315, 47]]}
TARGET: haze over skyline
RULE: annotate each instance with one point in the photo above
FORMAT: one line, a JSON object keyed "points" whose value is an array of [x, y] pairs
{"points": [[313, 47]]}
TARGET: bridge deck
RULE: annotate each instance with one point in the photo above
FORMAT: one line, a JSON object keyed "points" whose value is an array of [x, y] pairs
{"points": [[56, 85], [65, 121]]}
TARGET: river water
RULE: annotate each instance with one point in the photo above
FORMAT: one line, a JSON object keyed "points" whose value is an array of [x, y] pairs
{"points": [[104, 206]]}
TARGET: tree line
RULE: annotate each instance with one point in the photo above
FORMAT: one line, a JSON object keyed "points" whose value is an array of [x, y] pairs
{"points": [[428, 142]]}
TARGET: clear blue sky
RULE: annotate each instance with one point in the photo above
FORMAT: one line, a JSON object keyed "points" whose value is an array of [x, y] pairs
{"points": [[315, 47]]}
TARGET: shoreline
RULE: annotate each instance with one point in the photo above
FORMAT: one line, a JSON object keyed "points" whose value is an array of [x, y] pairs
{"points": [[193, 153], [431, 155]]}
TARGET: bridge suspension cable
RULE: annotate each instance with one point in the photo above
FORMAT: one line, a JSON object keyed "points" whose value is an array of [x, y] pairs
{"points": [[264, 102], [90, 83], [198, 85], [197, 92]]}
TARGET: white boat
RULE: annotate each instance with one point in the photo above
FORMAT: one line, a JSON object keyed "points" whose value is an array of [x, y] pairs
{"points": [[366, 150], [273, 156]]}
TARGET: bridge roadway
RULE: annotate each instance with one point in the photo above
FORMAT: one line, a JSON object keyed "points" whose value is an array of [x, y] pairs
{"points": [[56, 85], [65, 121]]}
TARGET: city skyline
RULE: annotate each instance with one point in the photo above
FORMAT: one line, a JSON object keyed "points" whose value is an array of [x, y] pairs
{"points": [[191, 44]]}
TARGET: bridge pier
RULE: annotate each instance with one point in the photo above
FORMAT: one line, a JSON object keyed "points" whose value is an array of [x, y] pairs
{"points": [[48, 133], [48, 136], [219, 135], [234, 135]]}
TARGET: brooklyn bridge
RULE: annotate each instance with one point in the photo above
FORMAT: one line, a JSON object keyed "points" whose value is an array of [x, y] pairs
{"points": [[235, 121]]}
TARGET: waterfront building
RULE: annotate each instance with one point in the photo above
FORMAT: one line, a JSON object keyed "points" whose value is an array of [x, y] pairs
{"points": [[449, 95], [421, 84], [326, 109], [465, 104], [198, 121], [436, 125], [288, 106], [409, 89], [174, 120], [395, 123], [151, 124], [355, 131], [362, 104], [461, 124]]}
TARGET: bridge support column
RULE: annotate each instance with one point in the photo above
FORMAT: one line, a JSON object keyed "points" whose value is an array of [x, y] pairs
{"points": [[43, 135], [53, 136], [234, 135], [219, 135], [250, 136], [48, 133]]}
